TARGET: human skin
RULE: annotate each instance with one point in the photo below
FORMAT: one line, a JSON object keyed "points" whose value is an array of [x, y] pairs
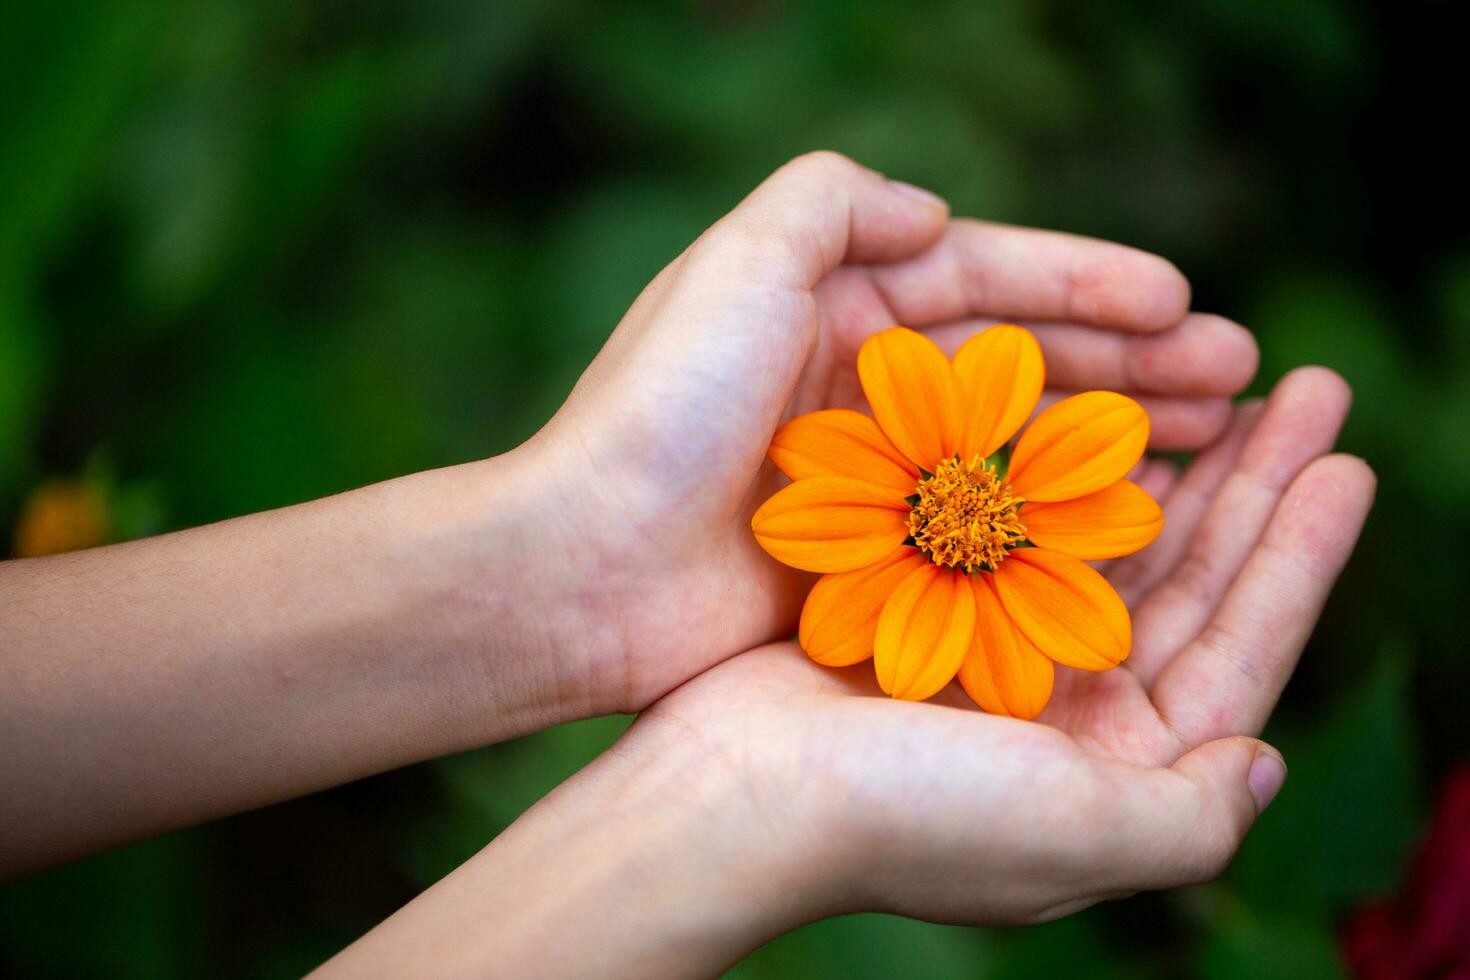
{"points": [[609, 560], [769, 792]]}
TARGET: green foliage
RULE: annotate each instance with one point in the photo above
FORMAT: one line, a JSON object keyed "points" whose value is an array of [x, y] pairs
{"points": [[256, 253], [1350, 811], [130, 913], [870, 945], [1336, 837]]}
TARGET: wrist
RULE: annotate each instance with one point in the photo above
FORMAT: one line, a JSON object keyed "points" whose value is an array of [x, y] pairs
{"points": [[496, 600], [650, 862]]}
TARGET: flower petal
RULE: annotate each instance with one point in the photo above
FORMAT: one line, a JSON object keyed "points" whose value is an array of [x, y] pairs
{"points": [[923, 632], [841, 442], [831, 524], [1115, 521], [1003, 672], [841, 612], [1001, 373], [913, 393], [1079, 445], [1065, 607]]}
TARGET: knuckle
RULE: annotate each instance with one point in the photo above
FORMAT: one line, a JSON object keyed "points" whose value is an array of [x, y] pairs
{"points": [[1194, 577], [821, 163], [742, 246], [1219, 641]]}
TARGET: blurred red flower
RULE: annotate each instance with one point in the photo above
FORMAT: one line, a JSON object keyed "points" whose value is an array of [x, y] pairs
{"points": [[1424, 931]]}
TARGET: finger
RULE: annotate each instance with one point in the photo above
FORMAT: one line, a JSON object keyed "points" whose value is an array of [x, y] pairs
{"points": [[1300, 422], [1184, 505], [1174, 423], [1228, 680], [981, 268], [815, 213], [1156, 476], [1183, 825], [1202, 355]]}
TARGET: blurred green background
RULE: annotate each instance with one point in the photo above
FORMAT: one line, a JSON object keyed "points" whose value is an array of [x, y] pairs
{"points": [[255, 253]]}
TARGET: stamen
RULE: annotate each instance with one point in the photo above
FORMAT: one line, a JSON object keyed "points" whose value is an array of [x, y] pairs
{"points": [[964, 516]]}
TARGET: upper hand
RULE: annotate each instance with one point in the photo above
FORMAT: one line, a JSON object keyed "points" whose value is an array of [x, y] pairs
{"points": [[656, 462]]}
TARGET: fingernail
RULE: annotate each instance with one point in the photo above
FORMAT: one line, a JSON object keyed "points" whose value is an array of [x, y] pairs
{"points": [[1268, 772], [919, 194]]}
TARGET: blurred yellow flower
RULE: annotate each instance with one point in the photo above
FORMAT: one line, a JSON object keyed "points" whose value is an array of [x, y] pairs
{"points": [[62, 515]]}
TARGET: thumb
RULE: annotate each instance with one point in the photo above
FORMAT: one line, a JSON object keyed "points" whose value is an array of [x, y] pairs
{"points": [[1245, 771], [705, 363], [819, 211], [1190, 819], [1233, 781]]}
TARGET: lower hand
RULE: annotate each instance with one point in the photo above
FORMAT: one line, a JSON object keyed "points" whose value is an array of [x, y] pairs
{"points": [[1146, 776], [769, 791]]}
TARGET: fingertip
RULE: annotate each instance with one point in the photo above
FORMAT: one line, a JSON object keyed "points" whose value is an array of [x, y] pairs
{"points": [[1364, 473], [1163, 291], [1321, 386], [1201, 355], [1128, 289], [1345, 469], [1266, 776], [1171, 303], [1236, 355], [925, 197], [1303, 417], [1330, 499], [910, 221]]}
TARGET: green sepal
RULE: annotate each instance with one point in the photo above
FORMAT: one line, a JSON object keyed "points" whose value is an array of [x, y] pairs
{"points": [[1000, 461], [912, 500]]}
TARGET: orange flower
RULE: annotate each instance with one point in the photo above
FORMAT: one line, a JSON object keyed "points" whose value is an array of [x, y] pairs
{"points": [[944, 554]]}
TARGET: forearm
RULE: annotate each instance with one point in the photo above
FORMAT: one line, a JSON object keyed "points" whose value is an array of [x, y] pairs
{"points": [[650, 862], [167, 681]]}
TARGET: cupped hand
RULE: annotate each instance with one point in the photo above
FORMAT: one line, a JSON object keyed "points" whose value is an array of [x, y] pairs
{"points": [[1145, 776], [761, 790], [649, 474]]}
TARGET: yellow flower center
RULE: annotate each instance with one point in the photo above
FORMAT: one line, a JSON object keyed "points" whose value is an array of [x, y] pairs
{"points": [[965, 516]]}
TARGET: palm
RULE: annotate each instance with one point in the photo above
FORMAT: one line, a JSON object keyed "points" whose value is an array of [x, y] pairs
{"points": [[1209, 659], [978, 814]]}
